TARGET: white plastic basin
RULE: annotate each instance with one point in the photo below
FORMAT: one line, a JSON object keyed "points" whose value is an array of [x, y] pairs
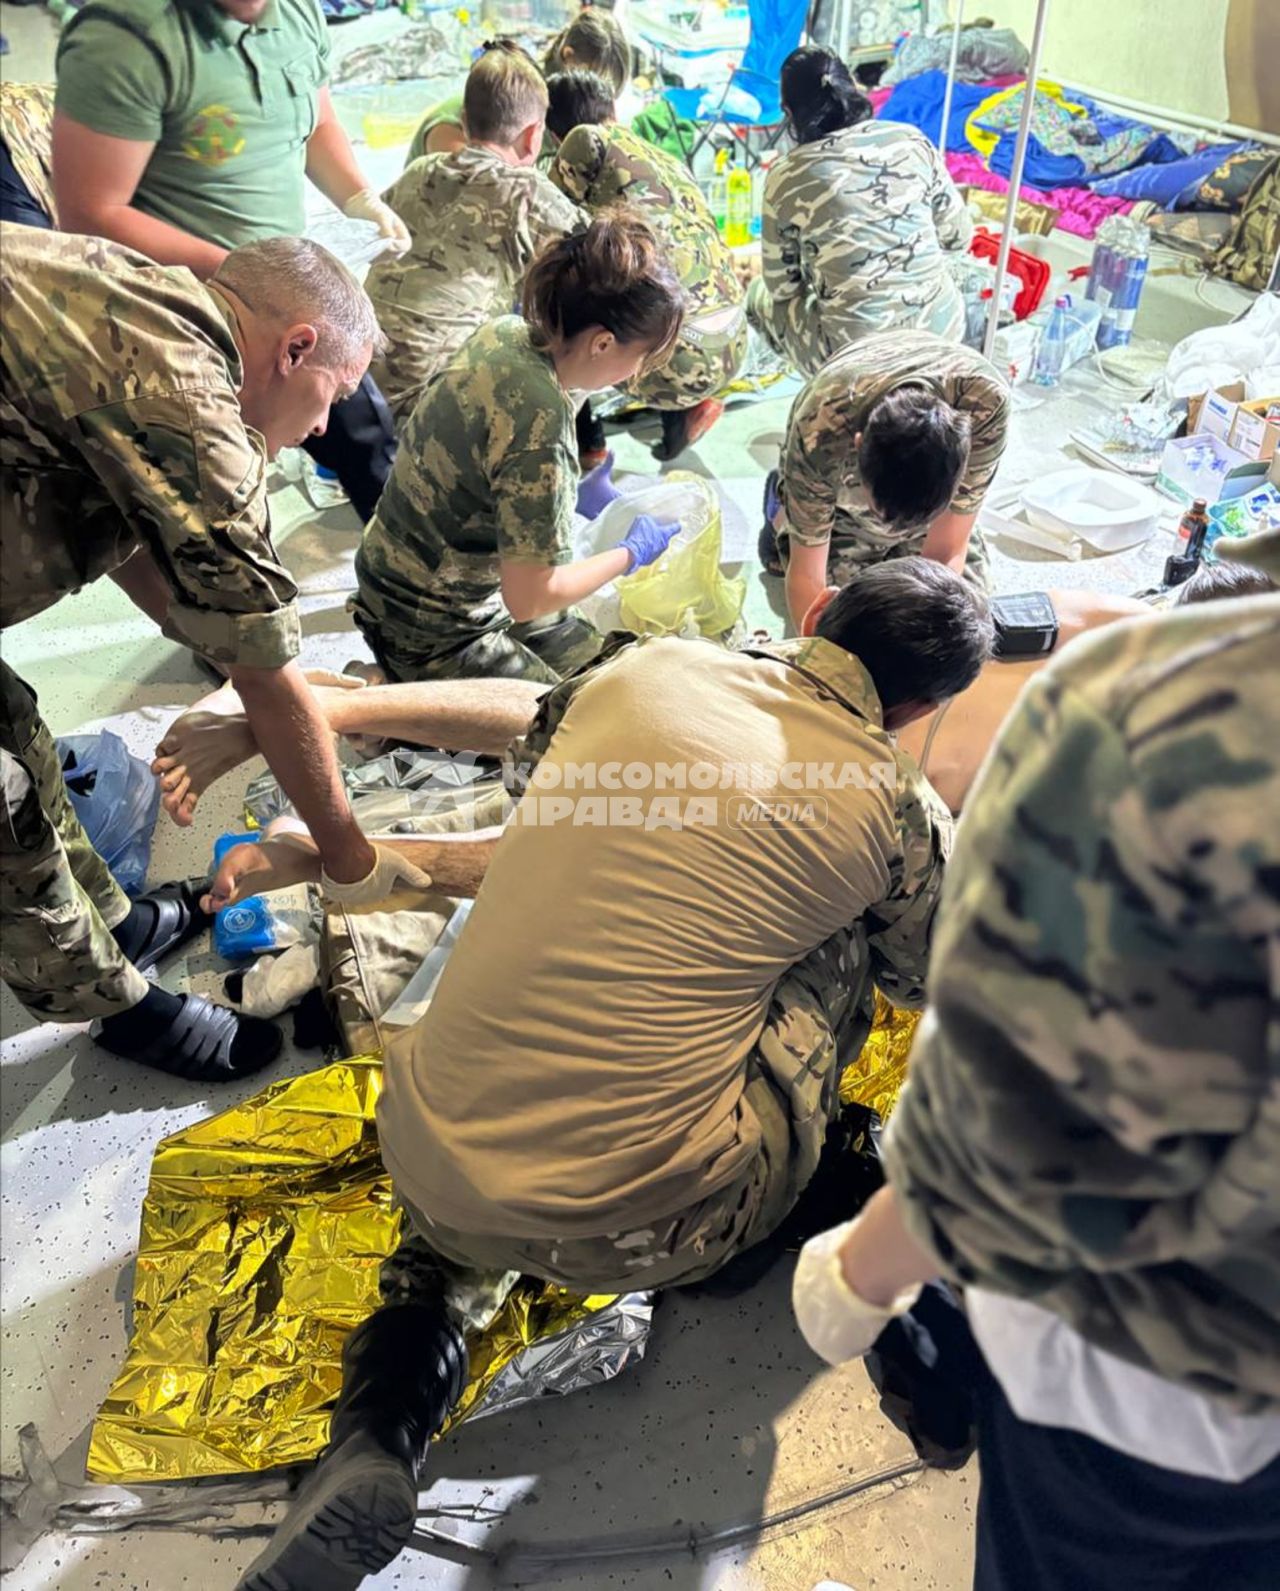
{"points": [[1107, 510]]}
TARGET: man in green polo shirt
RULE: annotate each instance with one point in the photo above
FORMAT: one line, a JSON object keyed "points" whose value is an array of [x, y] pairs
{"points": [[185, 128]]}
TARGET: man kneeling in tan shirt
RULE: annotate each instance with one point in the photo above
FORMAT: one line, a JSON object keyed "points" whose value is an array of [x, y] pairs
{"points": [[627, 1071]]}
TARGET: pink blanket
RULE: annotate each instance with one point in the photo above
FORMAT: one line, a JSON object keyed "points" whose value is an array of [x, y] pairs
{"points": [[1080, 209]]}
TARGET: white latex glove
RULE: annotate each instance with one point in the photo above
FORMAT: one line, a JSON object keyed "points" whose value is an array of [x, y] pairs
{"points": [[835, 1322], [366, 206], [389, 870]]}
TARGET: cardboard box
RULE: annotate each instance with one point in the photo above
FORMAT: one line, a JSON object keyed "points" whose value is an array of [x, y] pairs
{"points": [[1251, 428], [1253, 433], [1178, 480]]}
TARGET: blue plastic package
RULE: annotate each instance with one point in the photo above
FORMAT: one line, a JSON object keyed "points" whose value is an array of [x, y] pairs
{"points": [[116, 797], [245, 929]]}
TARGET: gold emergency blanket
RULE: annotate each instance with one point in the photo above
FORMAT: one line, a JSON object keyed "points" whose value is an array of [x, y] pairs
{"points": [[875, 1079], [263, 1231]]}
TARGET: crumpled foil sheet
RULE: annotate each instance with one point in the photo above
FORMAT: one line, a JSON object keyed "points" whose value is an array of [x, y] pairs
{"points": [[263, 1231], [875, 1079]]}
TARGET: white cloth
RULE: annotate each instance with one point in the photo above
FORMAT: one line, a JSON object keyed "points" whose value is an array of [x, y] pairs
{"points": [[1052, 1376], [835, 1321]]}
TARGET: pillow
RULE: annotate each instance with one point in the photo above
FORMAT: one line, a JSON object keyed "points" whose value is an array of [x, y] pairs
{"points": [[1227, 184]]}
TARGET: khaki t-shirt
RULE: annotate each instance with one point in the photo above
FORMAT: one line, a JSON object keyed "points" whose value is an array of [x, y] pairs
{"points": [[581, 1068]]}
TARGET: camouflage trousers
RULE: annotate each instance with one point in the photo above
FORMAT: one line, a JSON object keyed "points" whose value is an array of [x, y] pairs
{"points": [[543, 650], [851, 553], [818, 1020], [707, 358], [418, 348], [58, 901]]}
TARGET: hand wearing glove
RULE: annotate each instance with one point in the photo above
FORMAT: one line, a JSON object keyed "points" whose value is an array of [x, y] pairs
{"points": [[389, 870], [835, 1321], [648, 539], [596, 490], [366, 206]]}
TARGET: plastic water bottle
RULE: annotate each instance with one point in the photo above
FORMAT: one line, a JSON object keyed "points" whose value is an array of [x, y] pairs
{"points": [[1051, 353], [737, 221]]}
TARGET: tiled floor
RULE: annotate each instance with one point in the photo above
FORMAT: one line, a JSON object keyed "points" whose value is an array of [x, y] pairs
{"points": [[726, 1423]]}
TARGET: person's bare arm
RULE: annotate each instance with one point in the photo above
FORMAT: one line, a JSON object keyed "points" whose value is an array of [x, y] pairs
{"points": [[806, 578], [95, 178], [331, 161], [445, 138], [947, 540], [532, 590], [291, 731], [880, 1258], [456, 863], [144, 585]]}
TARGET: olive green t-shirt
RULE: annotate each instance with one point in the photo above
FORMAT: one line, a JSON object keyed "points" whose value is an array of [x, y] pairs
{"points": [[448, 109], [229, 107]]}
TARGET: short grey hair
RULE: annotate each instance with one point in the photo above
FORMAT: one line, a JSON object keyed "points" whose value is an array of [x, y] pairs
{"points": [[293, 279]]}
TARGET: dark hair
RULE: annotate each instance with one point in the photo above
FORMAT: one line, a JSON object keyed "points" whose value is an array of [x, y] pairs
{"points": [[504, 93], [597, 44], [1212, 581], [577, 99], [919, 630], [913, 452], [818, 94], [614, 274]]}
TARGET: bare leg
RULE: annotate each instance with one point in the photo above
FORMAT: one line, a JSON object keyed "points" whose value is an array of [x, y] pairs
{"points": [[211, 738]]}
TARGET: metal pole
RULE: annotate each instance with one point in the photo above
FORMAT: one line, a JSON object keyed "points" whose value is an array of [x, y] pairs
{"points": [[957, 24], [1015, 176]]}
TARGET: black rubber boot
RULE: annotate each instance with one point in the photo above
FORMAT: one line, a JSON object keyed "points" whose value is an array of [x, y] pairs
{"points": [[403, 1369]]}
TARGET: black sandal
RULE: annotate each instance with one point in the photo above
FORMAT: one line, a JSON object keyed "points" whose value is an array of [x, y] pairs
{"points": [[179, 918], [197, 1044]]}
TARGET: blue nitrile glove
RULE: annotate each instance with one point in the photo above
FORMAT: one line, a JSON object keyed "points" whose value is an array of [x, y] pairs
{"points": [[596, 489], [647, 539]]}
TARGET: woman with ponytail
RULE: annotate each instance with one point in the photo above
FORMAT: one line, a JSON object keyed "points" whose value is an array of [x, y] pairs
{"points": [[467, 568], [857, 225]]}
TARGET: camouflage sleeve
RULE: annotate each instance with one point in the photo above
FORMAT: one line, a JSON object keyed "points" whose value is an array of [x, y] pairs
{"points": [[779, 242], [110, 80], [552, 215], [534, 495], [808, 475], [184, 473], [985, 398], [1090, 1116], [900, 927], [950, 212], [578, 164]]}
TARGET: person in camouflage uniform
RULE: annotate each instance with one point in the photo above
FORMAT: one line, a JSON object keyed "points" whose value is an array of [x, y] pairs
{"points": [[1088, 1140], [467, 566], [476, 219], [26, 154], [722, 979], [922, 419], [132, 427], [857, 224], [605, 165]]}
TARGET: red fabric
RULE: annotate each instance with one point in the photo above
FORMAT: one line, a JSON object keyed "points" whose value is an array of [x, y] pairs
{"points": [[1080, 210]]}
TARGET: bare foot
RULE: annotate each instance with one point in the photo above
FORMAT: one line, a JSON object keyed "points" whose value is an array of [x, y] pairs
{"points": [[210, 739], [285, 855], [199, 746]]}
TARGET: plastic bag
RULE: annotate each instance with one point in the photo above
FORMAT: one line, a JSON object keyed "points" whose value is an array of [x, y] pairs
{"points": [[685, 592], [116, 797]]}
